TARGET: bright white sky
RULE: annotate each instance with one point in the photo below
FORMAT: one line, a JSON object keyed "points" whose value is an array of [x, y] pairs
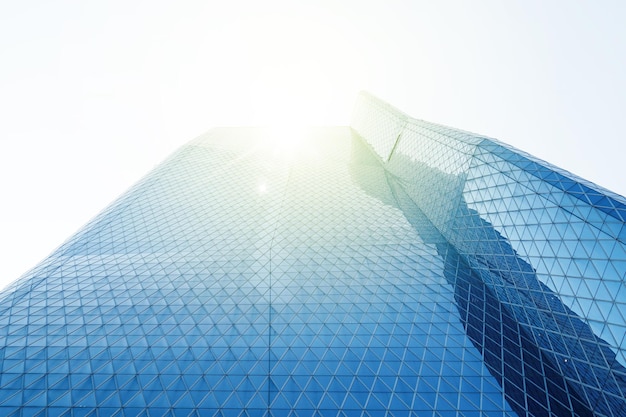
{"points": [[95, 94]]}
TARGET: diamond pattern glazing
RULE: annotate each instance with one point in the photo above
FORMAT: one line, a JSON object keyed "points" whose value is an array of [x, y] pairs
{"points": [[548, 250], [396, 268]]}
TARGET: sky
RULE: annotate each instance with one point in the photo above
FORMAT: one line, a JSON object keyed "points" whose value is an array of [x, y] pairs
{"points": [[93, 95]]}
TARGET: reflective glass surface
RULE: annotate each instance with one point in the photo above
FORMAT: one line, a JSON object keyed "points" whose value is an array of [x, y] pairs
{"points": [[393, 268], [547, 252]]}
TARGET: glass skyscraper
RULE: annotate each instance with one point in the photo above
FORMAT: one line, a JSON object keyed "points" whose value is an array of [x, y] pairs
{"points": [[394, 267]]}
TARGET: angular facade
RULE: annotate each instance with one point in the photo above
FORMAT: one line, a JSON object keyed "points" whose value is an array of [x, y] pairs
{"points": [[396, 267]]}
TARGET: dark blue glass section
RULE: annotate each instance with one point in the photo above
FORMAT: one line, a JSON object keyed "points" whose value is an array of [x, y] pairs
{"points": [[545, 253]]}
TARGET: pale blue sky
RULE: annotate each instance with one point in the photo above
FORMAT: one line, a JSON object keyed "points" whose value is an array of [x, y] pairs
{"points": [[94, 94]]}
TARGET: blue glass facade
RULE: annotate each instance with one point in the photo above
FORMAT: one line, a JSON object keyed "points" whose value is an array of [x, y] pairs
{"points": [[392, 268]]}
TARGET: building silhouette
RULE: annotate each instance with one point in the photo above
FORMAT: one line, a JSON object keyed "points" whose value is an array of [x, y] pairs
{"points": [[395, 267]]}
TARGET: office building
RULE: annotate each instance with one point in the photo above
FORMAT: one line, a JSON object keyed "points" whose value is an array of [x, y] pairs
{"points": [[394, 267]]}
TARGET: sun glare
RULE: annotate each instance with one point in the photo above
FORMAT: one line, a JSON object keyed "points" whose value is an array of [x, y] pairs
{"points": [[287, 142], [300, 72]]}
